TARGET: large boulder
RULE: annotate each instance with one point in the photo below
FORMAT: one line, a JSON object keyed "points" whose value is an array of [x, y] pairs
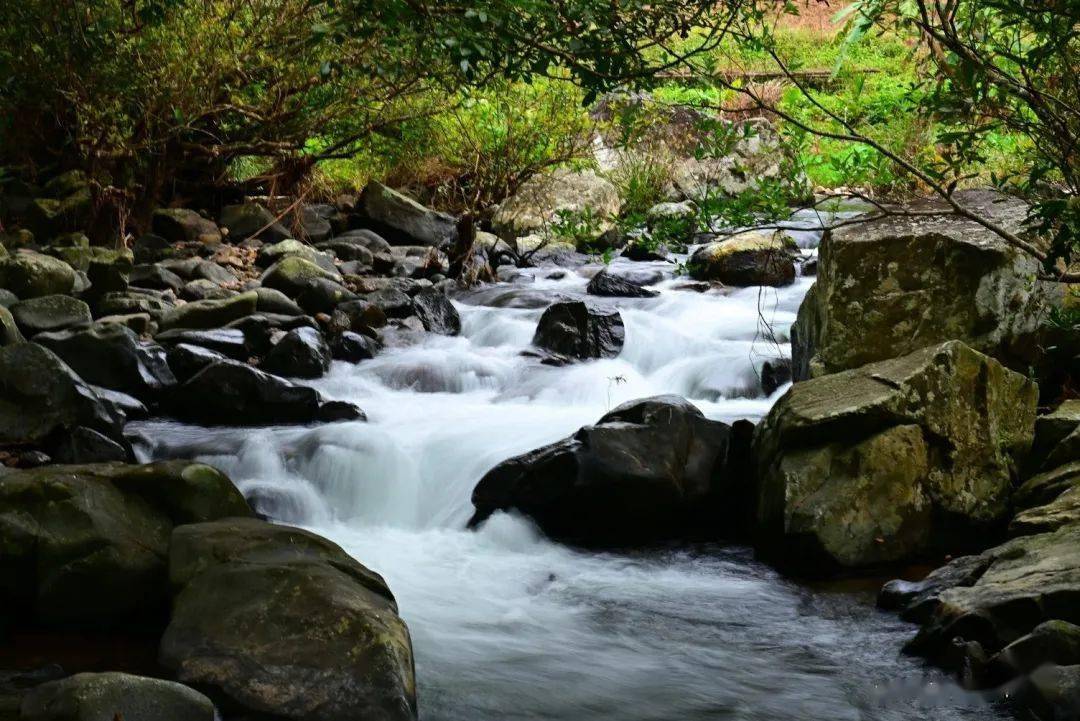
{"points": [[293, 274], [645, 471], [41, 395], [752, 258], [541, 200], [114, 696], [87, 545], [182, 224], [610, 285], [246, 220], [209, 313], [9, 330], [436, 312], [270, 254], [579, 330], [112, 355], [50, 312], [402, 220], [231, 393], [302, 353], [893, 461], [891, 286], [273, 621], [30, 275]]}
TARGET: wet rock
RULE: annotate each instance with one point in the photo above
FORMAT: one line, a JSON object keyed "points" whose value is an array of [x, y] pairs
{"points": [[274, 301], [273, 620], [209, 313], [928, 280], [541, 199], [124, 406], [1050, 692], [315, 225], [83, 445], [100, 534], [185, 360], [32, 275], [7, 298], [360, 315], [364, 238], [249, 220], [229, 341], [348, 249], [156, 277], [1061, 510], [114, 357], [270, 254], [402, 220], [891, 461], [182, 224], [436, 312], [645, 252], [209, 270], [203, 289], [353, 347], [292, 275], [580, 330], [751, 258], [302, 353], [338, 411], [775, 373], [50, 312], [150, 248], [614, 286], [40, 395], [9, 330], [114, 696], [322, 295], [130, 302], [232, 393], [392, 302], [641, 473]]}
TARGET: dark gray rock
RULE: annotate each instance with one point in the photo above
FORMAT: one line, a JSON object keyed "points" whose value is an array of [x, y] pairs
{"points": [[302, 353], [228, 341], [402, 220], [274, 301], [186, 360], [83, 445], [50, 312], [181, 224], [322, 295], [613, 286], [114, 696], [156, 277], [353, 347], [392, 302], [249, 220], [580, 330], [436, 312]]}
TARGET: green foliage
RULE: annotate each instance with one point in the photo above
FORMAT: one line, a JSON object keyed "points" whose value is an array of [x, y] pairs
{"points": [[582, 228]]}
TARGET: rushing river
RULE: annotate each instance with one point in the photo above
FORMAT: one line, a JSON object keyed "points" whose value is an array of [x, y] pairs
{"points": [[507, 625]]}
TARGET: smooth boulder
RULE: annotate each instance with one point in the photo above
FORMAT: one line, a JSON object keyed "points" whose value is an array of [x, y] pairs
{"points": [[402, 220], [113, 356], [543, 198], [302, 353], [114, 696], [31, 275], [751, 258], [645, 471], [436, 312], [581, 331], [276, 621], [202, 314], [892, 461], [610, 285], [50, 312]]}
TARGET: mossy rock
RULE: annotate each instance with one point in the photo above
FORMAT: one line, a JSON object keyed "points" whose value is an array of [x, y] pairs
{"points": [[30, 275], [50, 313], [292, 275], [9, 330], [751, 258], [114, 696], [202, 314]]}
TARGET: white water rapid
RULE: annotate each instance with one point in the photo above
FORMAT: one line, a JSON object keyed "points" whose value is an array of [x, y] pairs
{"points": [[509, 626]]}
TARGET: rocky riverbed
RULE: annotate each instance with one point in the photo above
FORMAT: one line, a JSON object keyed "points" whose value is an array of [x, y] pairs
{"points": [[309, 476]]}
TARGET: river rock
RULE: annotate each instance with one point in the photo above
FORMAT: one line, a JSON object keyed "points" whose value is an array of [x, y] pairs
{"points": [[888, 287], [131, 302], [353, 347], [41, 395], [436, 312], [643, 472], [368, 239], [232, 393], [354, 252], [402, 220], [87, 545], [247, 220], [540, 200], [114, 696], [392, 302], [203, 289], [315, 222], [155, 276], [113, 356], [84, 445], [50, 312], [302, 353], [182, 224], [270, 300], [322, 295], [610, 285], [9, 330], [754, 257], [360, 315], [1049, 692], [275, 621], [292, 275], [892, 461], [580, 330], [231, 342], [270, 254], [31, 275], [185, 360], [203, 314]]}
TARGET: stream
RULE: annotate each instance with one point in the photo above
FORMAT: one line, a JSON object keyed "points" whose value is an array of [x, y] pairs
{"points": [[507, 625]]}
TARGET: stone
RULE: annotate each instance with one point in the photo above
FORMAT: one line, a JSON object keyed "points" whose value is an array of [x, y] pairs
{"points": [[892, 461], [231, 393], [32, 275], [186, 360], [315, 225], [270, 254], [580, 331], [754, 257], [274, 301], [248, 220], [292, 275], [436, 312], [275, 621], [345, 249], [231, 342], [203, 314], [893, 285], [642, 473], [541, 199], [1050, 692], [1062, 511], [353, 347], [83, 445], [392, 302], [114, 696], [150, 248], [86, 546], [1043, 488], [203, 289], [775, 373], [7, 298], [50, 312], [113, 356], [40, 395], [156, 277], [322, 295], [9, 330], [360, 315], [368, 239], [609, 285], [181, 224], [302, 353], [402, 220], [131, 302]]}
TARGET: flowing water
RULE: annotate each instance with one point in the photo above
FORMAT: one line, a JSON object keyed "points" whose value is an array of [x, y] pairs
{"points": [[507, 625]]}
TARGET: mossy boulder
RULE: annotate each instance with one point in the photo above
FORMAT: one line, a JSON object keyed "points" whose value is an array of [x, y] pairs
{"points": [[891, 286], [183, 224], [891, 461], [49, 313], [113, 696], [402, 220], [209, 313], [30, 275], [752, 258], [246, 220], [9, 330], [541, 200], [270, 254], [87, 545], [292, 275], [276, 621], [112, 355]]}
